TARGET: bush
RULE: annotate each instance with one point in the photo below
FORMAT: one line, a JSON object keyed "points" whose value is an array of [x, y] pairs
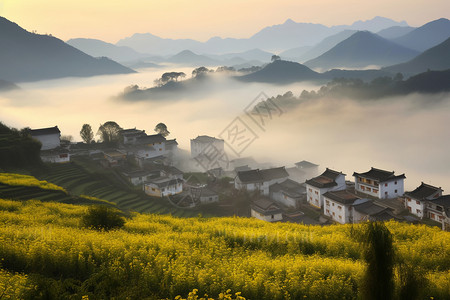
{"points": [[101, 217]]}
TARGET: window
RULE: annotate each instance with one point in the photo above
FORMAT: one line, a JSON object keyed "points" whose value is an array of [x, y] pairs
{"points": [[368, 189], [375, 191], [328, 211], [153, 189], [359, 179], [317, 193], [272, 217], [418, 211], [310, 190], [385, 193], [339, 207], [363, 188], [385, 184], [439, 208], [333, 214], [432, 215], [310, 198], [409, 208], [395, 182], [340, 217], [328, 203], [395, 191], [332, 204], [409, 199], [417, 202]]}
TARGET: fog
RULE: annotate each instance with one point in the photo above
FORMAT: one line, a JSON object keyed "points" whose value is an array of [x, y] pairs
{"points": [[407, 134]]}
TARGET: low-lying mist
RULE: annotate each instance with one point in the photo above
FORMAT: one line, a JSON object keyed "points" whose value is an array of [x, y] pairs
{"points": [[407, 134]]}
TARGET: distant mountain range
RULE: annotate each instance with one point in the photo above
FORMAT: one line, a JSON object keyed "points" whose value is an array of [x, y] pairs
{"points": [[274, 38], [426, 36], [26, 56], [436, 58], [360, 50]]}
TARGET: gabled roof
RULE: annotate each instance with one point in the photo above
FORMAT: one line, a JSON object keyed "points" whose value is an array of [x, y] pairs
{"points": [[138, 173], [151, 139], [132, 132], [258, 175], [379, 175], [369, 208], [343, 196], [288, 186], [204, 139], [45, 131], [443, 200], [265, 206], [305, 164], [162, 182], [423, 191], [326, 179]]}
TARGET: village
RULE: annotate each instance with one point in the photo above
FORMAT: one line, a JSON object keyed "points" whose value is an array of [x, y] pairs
{"points": [[207, 176]]}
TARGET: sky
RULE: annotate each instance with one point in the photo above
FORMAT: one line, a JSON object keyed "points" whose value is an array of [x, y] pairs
{"points": [[111, 20]]}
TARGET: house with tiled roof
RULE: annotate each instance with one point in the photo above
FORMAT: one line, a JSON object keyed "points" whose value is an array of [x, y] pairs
{"points": [[288, 192], [163, 187], [416, 200], [266, 210], [130, 136], [380, 183], [366, 210], [338, 205], [439, 210], [50, 137], [259, 180], [316, 187], [202, 143]]}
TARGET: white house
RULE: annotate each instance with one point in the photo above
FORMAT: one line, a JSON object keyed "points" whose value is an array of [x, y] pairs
{"points": [[379, 183], [49, 137], [288, 193], [163, 187], [208, 196], [149, 146], [416, 200], [266, 210], [338, 205], [439, 210], [130, 136], [57, 155], [138, 177], [329, 180], [200, 144], [259, 180]]}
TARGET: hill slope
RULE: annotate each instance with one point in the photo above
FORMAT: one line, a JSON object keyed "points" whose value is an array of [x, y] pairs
{"points": [[25, 56], [360, 50], [426, 36], [282, 72], [436, 58]]}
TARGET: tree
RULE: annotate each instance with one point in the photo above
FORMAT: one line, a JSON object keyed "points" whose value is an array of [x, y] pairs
{"points": [[200, 71], [378, 252], [275, 57], [100, 217], [109, 132], [161, 128], [86, 133]]}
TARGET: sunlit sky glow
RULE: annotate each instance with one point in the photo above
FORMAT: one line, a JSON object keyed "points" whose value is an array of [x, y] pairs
{"points": [[111, 20]]}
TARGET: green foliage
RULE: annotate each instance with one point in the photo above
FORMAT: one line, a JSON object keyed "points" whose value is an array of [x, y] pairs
{"points": [[161, 128], [17, 148], [101, 217], [109, 132], [86, 133], [378, 281]]}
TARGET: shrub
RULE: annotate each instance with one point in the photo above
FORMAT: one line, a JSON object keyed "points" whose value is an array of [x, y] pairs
{"points": [[101, 217]]}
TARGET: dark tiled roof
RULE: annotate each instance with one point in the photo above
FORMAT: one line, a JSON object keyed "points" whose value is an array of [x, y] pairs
{"points": [[343, 197], [289, 186], [327, 179], [172, 142], [151, 139], [305, 164], [262, 175], [380, 175], [137, 173], [442, 200], [423, 191], [205, 139], [265, 206], [368, 208], [385, 215], [45, 131], [162, 182], [132, 131]]}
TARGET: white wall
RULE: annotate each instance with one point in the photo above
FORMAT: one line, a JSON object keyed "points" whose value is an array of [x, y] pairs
{"points": [[337, 211], [57, 158], [197, 148], [49, 141], [284, 199], [314, 195], [268, 218], [391, 189], [416, 207]]}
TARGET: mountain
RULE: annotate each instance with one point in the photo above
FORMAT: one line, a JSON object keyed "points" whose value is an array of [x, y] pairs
{"points": [[26, 56], [360, 50], [98, 48], [282, 72], [253, 54], [436, 58], [189, 58], [428, 82], [426, 36], [395, 32], [274, 38], [294, 53], [326, 45]]}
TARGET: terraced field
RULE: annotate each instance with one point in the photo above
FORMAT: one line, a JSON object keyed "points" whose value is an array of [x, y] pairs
{"points": [[79, 181]]}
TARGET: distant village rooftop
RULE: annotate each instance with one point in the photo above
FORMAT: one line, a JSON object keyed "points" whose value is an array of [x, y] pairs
{"points": [[205, 139], [423, 191], [45, 131], [262, 175], [151, 139], [305, 165], [266, 207], [326, 179], [379, 175], [343, 196]]}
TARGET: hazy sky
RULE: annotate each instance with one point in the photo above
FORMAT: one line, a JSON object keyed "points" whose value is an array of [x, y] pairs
{"points": [[111, 20]]}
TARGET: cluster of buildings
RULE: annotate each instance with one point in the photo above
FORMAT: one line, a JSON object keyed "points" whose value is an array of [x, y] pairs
{"points": [[375, 195]]}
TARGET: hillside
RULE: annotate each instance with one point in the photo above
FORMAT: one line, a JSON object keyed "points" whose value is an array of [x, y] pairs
{"points": [[98, 48], [394, 32], [26, 56], [436, 58], [360, 50], [281, 72], [45, 250], [426, 36]]}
